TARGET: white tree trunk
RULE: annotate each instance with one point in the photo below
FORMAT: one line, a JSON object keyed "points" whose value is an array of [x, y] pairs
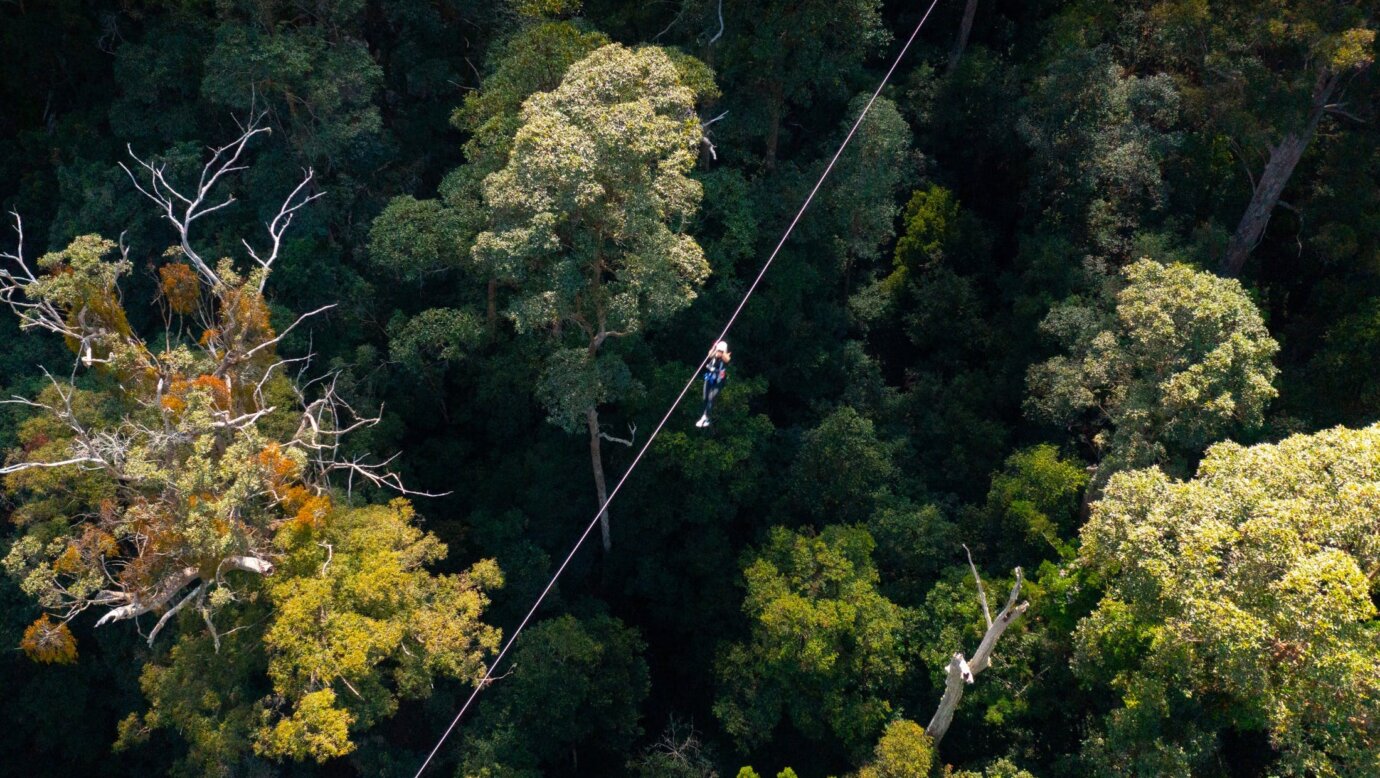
{"points": [[170, 586], [962, 671]]}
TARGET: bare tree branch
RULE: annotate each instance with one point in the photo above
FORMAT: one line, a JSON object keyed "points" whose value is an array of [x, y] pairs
{"points": [[173, 612], [961, 671], [136, 605], [279, 225], [181, 210], [714, 39], [632, 436], [274, 340], [22, 466], [982, 591], [704, 136]]}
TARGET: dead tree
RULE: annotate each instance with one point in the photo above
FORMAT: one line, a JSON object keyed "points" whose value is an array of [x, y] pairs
{"points": [[193, 402], [962, 671]]}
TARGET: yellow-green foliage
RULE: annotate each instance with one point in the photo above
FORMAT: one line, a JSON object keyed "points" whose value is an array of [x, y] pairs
{"points": [[358, 622], [317, 729], [545, 9], [1176, 359], [904, 751], [1252, 584], [194, 490], [825, 647]]}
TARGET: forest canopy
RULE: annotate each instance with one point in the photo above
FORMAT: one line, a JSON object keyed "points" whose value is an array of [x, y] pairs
{"points": [[1047, 446]]}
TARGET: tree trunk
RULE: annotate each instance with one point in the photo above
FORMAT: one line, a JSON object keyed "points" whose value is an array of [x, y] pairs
{"points": [[962, 672], [964, 29], [775, 113], [1284, 157], [597, 460], [493, 306]]}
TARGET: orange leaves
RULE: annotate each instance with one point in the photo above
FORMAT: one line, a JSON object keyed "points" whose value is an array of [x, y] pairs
{"points": [[49, 642], [282, 474], [178, 391], [69, 561], [180, 287], [86, 551], [310, 510], [216, 387], [278, 468]]}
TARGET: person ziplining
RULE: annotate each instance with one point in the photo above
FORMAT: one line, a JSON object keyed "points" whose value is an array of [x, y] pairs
{"points": [[715, 375], [718, 359]]}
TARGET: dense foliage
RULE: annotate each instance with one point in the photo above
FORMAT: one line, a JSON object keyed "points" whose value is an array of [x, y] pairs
{"points": [[1093, 293]]}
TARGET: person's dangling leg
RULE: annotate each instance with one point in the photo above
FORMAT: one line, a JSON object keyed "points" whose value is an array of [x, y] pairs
{"points": [[711, 391]]}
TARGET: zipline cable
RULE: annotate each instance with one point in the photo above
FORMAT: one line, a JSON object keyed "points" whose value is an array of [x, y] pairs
{"points": [[512, 638]]}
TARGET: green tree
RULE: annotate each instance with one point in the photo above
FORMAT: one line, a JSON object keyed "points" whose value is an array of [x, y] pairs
{"points": [[1173, 360], [586, 220], [355, 624], [1241, 599], [1099, 137], [842, 468], [1263, 77], [826, 647], [1037, 493], [174, 478], [904, 751], [865, 183], [415, 238], [580, 682], [1001, 768], [789, 54]]}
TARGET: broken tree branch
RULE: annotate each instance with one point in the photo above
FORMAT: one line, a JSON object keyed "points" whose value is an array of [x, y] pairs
{"points": [[632, 436], [962, 671]]}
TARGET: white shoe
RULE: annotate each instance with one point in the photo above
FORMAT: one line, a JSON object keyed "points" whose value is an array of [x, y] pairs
{"points": [[703, 422]]}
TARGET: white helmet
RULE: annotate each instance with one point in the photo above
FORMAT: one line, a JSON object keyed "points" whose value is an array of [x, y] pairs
{"points": [[721, 346]]}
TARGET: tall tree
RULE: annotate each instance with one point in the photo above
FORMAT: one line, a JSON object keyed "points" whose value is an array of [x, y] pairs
{"points": [[1099, 136], [1170, 362], [586, 221], [1264, 75], [1242, 599], [786, 54], [175, 478], [826, 648]]}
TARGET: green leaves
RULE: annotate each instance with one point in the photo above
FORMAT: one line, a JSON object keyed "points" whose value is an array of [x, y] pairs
{"points": [[573, 382], [414, 239], [320, 89], [904, 751], [593, 189], [576, 681], [1182, 359], [842, 468], [825, 648], [586, 218], [1253, 581], [359, 622], [1038, 492], [435, 336]]}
